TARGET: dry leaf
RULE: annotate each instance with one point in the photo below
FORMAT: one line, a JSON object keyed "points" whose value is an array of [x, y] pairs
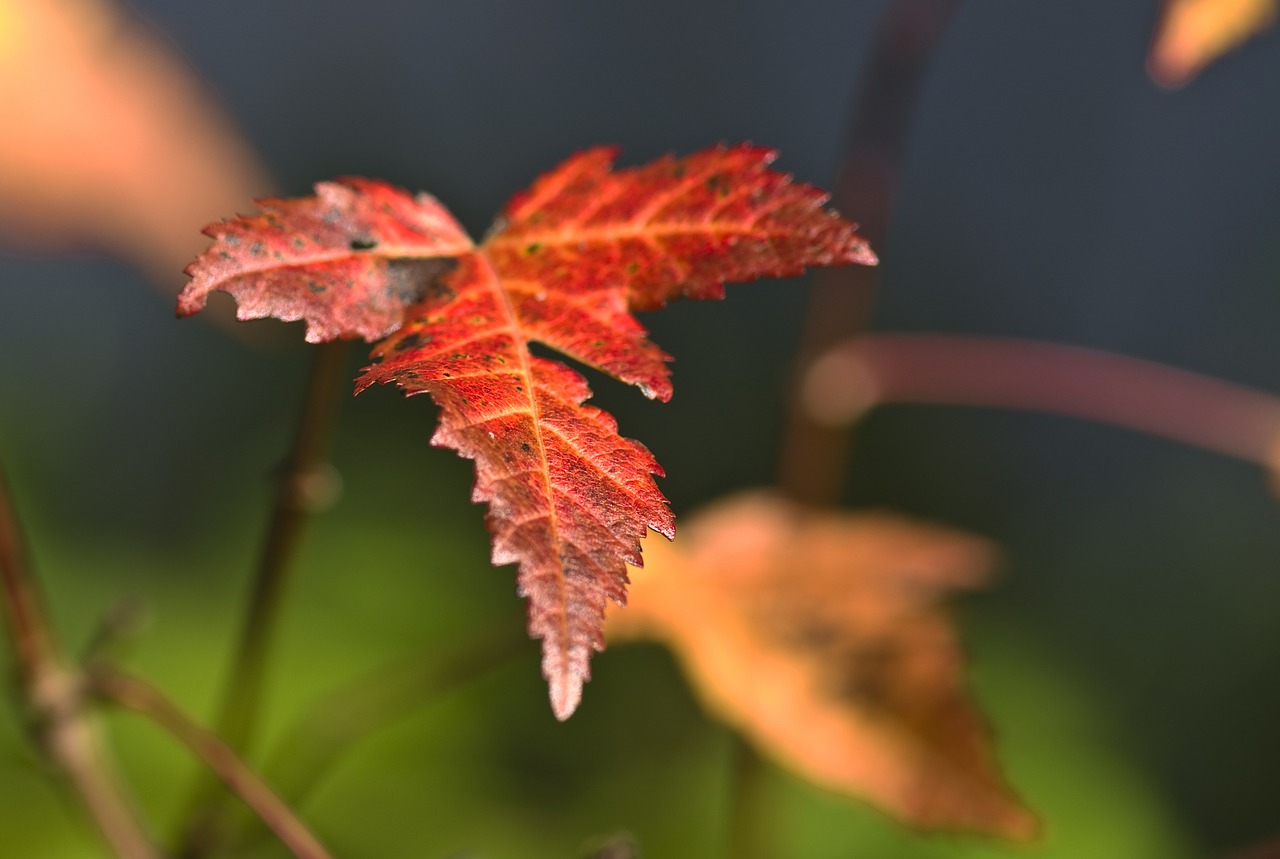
{"points": [[818, 636], [1194, 33], [108, 139]]}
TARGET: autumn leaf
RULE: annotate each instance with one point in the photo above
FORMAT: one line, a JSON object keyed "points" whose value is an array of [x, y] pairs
{"points": [[108, 138], [566, 264], [1194, 33], [818, 636]]}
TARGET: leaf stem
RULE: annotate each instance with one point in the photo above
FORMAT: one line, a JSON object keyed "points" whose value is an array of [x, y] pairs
{"points": [[140, 697], [1198, 410], [295, 500], [746, 771], [811, 466], [303, 486], [52, 695]]}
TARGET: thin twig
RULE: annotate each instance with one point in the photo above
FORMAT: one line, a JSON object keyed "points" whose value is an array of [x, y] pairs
{"points": [[294, 502], [134, 694], [745, 839], [300, 483], [811, 466], [32, 642], [51, 693], [1022, 374]]}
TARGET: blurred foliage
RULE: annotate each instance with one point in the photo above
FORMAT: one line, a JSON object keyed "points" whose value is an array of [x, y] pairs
{"points": [[486, 771]]}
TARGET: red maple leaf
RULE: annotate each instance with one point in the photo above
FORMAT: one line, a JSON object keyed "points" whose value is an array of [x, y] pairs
{"points": [[566, 264]]}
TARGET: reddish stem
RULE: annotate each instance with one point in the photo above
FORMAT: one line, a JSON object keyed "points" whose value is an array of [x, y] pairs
{"points": [[1021, 374], [51, 693], [299, 492], [813, 455], [142, 698]]}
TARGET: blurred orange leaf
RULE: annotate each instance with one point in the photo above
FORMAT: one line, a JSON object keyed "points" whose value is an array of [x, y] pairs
{"points": [[818, 636], [1194, 33], [108, 138]]}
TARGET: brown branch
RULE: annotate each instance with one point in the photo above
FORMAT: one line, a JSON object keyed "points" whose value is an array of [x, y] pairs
{"points": [[296, 498], [1020, 374], [812, 460], [51, 693], [302, 488], [32, 642], [134, 694]]}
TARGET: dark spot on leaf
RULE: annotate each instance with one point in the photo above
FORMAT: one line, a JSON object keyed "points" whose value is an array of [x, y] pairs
{"points": [[633, 267], [869, 670], [256, 249], [679, 171], [316, 288], [718, 184], [524, 445], [224, 255], [411, 280], [362, 243], [533, 247], [412, 341]]}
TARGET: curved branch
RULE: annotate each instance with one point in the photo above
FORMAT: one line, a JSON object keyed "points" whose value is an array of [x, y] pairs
{"points": [[1198, 410], [134, 694], [52, 695], [811, 461]]}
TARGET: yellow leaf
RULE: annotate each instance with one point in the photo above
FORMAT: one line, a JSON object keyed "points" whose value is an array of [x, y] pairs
{"points": [[817, 635], [108, 138], [1194, 33]]}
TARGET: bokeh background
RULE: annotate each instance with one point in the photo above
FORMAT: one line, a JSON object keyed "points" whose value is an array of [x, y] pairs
{"points": [[1127, 656]]}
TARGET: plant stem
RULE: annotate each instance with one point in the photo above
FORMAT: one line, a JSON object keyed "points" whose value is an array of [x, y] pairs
{"points": [[745, 837], [32, 642], [52, 695], [299, 492], [294, 502], [1020, 374], [811, 466], [134, 694]]}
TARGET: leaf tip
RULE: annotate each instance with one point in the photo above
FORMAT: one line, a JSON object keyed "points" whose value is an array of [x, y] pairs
{"points": [[566, 693], [864, 255]]}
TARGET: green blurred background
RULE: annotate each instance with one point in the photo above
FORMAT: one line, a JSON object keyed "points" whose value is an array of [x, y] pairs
{"points": [[1126, 658]]}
